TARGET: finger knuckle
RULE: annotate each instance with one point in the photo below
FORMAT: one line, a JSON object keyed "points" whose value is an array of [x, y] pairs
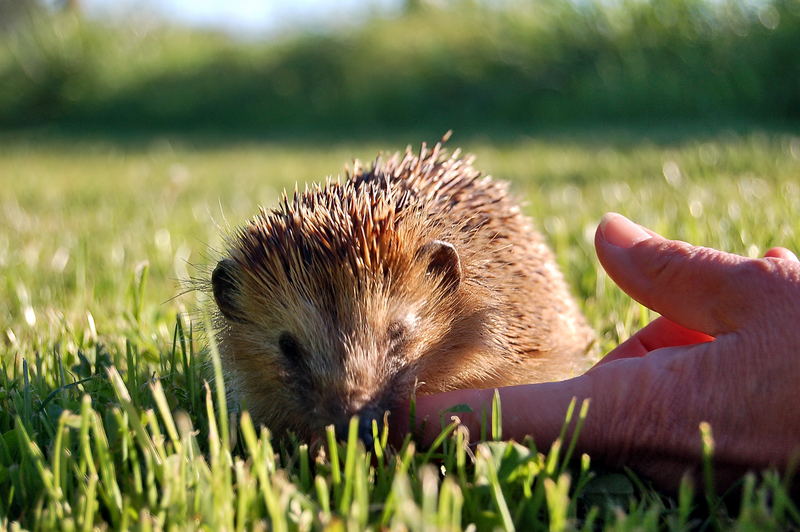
{"points": [[774, 279], [755, 272], [668, 260]]}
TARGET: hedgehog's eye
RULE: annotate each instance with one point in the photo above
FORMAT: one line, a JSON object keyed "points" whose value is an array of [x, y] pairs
{"points": [[289, 347]]}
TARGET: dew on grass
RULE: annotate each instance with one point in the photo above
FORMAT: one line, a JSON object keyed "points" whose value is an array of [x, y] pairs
{"points": [[734, 210], [696, 208], [60, 259], [30, 316], [117, 254], [163, 240], [92, 326], [672, 173]]}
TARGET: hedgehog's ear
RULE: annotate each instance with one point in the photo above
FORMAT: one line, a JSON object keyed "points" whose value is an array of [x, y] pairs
{"points": [[226, 290], [443, 262]]}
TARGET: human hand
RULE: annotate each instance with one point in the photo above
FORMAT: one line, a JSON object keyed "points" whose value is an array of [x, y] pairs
{"points": [[726, 351]]}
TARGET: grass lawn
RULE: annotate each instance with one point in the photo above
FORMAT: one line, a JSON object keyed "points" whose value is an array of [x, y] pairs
{"points": [[105, 419]]}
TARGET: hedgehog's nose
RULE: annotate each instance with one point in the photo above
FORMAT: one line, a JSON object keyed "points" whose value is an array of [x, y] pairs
{"points": [[365, 431], [365, 419]]}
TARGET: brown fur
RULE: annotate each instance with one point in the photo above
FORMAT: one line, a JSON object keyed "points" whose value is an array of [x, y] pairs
{"points": [[354, 280]]}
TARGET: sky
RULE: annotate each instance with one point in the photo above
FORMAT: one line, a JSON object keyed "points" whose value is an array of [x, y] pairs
{"points": [[248, 16]]}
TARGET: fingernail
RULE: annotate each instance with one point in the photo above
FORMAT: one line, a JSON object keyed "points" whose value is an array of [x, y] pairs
{"points": [[621, 232], [781, 253]]}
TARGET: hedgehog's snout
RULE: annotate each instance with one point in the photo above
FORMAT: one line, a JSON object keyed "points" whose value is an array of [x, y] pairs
{"points": [[366, 416]]}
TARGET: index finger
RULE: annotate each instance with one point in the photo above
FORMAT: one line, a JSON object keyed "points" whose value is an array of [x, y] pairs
{"points": [[661, 332]]}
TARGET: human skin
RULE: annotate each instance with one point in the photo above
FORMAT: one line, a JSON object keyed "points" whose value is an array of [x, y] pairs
{"points": [[726, 350]]}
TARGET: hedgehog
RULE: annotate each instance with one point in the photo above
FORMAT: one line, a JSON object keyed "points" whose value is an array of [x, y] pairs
{"points": [[416, 275]]}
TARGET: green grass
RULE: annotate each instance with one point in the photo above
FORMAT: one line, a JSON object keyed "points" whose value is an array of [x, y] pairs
{"points": [[105, 416]]}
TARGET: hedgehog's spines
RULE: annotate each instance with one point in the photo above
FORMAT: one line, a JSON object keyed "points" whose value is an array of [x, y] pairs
{"points": [[337, 266]]}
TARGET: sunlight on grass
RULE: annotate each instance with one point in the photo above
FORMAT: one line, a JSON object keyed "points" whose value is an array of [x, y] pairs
{"points": [[110, 412]]}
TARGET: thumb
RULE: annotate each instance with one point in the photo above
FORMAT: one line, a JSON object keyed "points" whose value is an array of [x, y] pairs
{"points": [[691, 285]]}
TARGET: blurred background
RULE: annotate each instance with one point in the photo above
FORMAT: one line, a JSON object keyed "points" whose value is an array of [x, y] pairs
{"points": [[269, 68]]}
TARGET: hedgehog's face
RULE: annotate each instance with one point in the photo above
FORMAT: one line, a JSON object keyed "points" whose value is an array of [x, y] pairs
{"points": [[312, 347]]}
